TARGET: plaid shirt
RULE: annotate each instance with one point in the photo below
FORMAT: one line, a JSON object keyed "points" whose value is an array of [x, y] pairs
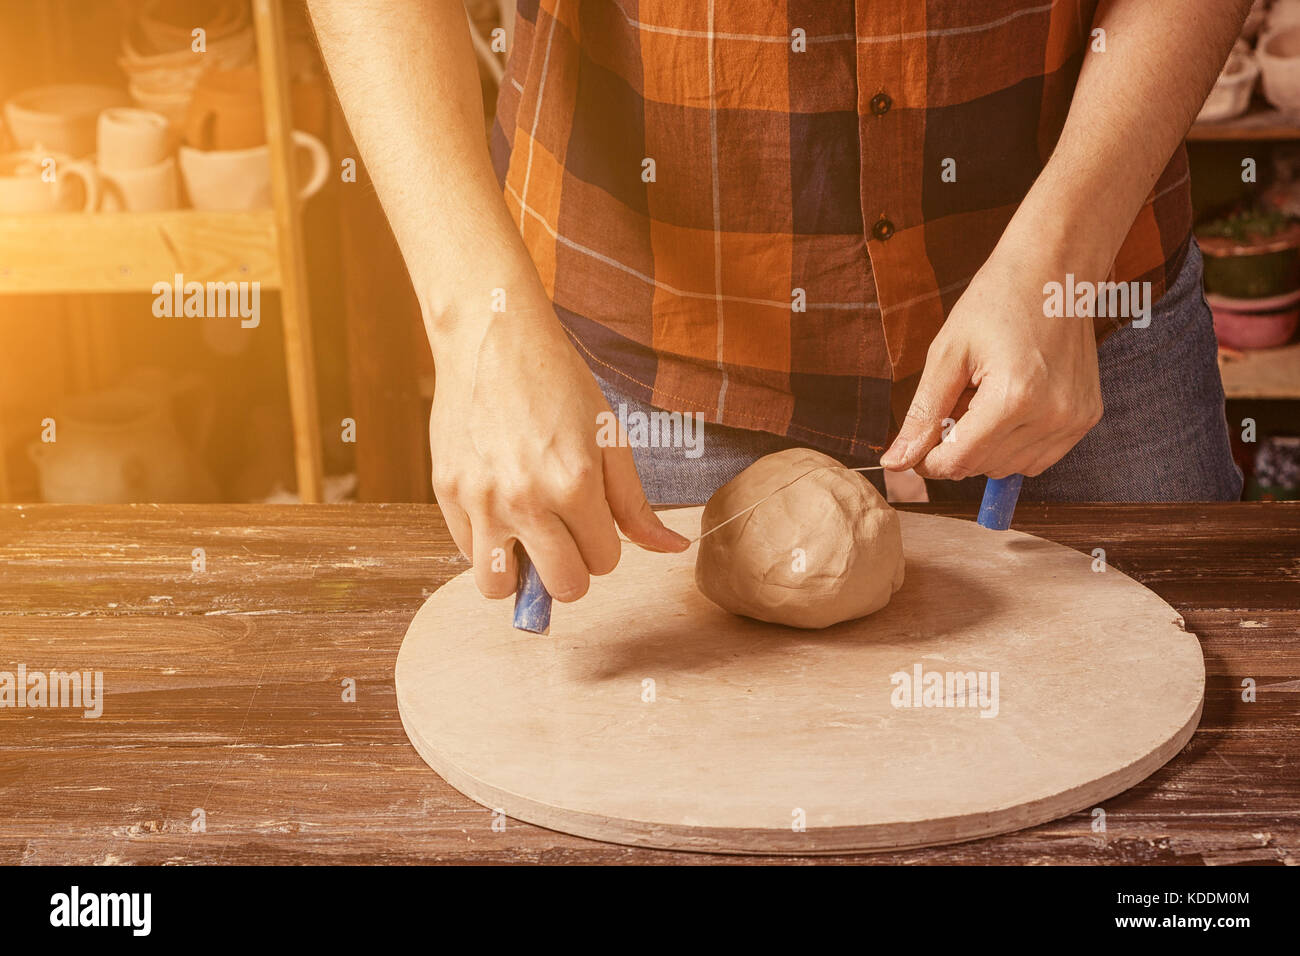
{"points": [[738, 206]]}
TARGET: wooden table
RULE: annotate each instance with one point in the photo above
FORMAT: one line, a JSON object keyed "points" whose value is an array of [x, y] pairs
{"points": [[224, 691]]}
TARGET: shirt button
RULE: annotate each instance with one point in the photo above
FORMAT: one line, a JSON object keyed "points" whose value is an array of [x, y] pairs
{"points": [[883, 229], [880, 104]]}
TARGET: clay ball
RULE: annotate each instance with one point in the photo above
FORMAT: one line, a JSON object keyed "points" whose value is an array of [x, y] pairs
{"points": [[824, 550]]}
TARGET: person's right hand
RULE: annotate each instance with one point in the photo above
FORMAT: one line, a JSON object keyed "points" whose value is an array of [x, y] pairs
{"points": [[515, 458]]}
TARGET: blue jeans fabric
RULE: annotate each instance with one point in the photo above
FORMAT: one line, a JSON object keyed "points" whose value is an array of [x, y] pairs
{"points": [[1162, 436]]}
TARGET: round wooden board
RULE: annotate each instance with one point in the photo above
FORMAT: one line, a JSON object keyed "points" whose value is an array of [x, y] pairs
{"points": [[651, 717]]}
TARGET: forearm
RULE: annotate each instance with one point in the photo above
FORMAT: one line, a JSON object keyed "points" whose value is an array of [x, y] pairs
{"points": [[408, 82], [1132, 106]]}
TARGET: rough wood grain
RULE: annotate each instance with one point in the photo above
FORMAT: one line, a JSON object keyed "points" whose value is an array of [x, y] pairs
{"points": [[223, 692], [129, 252], [1261, 373]]}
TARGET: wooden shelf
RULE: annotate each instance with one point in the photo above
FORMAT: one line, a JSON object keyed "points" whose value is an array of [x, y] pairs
{"points": [[1262, 373], [129, 252], [1258, 124]]}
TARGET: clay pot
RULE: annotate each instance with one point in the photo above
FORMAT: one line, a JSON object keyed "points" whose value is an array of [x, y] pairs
{"points": [[123, 445], [1242, 329], [226, 111], [1252, 267]]}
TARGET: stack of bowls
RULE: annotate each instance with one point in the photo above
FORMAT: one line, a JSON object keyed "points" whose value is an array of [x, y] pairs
{"points": [[159, 55], [1252, 278], [59, 118]]}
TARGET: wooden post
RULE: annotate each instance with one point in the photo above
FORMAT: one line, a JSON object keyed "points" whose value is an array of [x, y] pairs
{"points": [[299, 361], [4, 462], [385, 340]]}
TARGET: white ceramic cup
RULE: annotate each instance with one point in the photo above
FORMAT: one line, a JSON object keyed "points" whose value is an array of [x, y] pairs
{"points": [[1231, 93], [60, 118], [150, 189], [1278, 56], [132, 139], [241, 178], [38, 182]]}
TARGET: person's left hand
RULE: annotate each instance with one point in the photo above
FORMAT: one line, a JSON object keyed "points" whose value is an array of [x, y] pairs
{"points": [[1022, 388]]}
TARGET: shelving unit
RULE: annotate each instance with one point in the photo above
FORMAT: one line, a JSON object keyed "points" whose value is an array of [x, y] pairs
{"points": [[1264, 373], [1258, 124], [129, 252], [1261, 373]]}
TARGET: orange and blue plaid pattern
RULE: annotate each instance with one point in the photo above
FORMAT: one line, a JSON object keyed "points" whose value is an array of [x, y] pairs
{"points": [[738, 206]]}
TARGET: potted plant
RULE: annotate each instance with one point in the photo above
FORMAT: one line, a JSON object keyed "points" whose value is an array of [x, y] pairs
{"points": [[1252, 276], [1251, 253]]}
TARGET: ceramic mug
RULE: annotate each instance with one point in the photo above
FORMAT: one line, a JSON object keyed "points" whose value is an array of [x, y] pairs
{"points": [[226, 111], [60, 118], [34, 182], [236, 179], [1278, 55], [149, 189], [1231, 93], [168, 100], [132, 139]]}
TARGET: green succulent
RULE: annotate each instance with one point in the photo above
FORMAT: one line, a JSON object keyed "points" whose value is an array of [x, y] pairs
{"points": [[1252, 222]]}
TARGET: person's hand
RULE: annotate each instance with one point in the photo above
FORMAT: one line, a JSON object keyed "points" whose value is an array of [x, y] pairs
{"points": [[515, 458], [1022, 388]]}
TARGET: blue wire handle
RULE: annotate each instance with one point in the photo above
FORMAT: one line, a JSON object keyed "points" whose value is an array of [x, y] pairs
{"points": [[532, 602], [999, 503]]}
